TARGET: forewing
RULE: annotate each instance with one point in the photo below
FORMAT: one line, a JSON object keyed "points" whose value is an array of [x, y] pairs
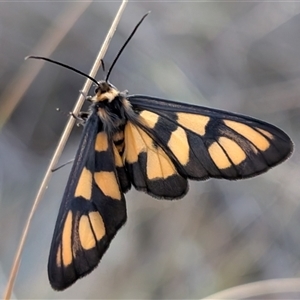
{"points": [[203, 142], [92, 210]]}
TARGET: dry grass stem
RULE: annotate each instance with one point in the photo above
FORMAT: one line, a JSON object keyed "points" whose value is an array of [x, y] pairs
{"points": [[259, 289], [60, 147]]}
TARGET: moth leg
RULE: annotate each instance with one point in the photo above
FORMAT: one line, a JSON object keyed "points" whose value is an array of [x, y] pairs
{"points": [[63, 165], [81, 118], [124, 94], [86, 96]]}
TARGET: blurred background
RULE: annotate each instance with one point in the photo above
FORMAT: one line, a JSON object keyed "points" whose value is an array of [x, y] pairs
{"points": [[237, 56]]}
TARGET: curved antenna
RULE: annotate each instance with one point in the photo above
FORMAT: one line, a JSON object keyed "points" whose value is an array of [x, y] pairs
{"points": [[102, 64], [125, 44], [62, 65]]}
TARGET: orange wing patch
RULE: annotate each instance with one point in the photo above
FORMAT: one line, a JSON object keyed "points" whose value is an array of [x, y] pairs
{"points": [[84, 185], [66, 249], [91, 229], [107, 183], [137, 142], [257, 139]]}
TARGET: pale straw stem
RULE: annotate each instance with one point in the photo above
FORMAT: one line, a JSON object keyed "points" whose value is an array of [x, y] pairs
{"points": [[262, 289], [60, 147]]}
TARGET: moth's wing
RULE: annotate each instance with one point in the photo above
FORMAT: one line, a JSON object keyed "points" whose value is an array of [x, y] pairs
{"points": [[197, 143], [92, 210], [151, 169]]}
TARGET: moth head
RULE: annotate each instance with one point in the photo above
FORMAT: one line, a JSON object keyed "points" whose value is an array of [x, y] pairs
{"points": [[105, 91]]}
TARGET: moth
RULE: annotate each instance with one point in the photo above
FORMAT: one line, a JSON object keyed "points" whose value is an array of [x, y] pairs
{"points": [[155, 145]]}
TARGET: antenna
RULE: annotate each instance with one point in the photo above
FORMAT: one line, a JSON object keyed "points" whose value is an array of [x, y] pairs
{"points": [[63, 65], [125, 44], [102, 62]]}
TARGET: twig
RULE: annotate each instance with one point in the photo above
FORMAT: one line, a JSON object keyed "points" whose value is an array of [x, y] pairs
{"points": [[60, 147]]}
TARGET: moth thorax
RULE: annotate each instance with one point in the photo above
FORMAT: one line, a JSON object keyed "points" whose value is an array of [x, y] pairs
{"points": [[111, 117]]}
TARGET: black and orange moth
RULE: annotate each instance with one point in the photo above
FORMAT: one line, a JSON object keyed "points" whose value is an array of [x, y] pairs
{"points": [[156, 145]]}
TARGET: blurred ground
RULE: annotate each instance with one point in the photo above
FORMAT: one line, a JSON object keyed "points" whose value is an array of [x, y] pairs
{"points": [[237, 56]]}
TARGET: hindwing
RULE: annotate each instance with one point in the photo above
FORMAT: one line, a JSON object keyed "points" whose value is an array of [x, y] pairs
{"points": [[150, 168]]}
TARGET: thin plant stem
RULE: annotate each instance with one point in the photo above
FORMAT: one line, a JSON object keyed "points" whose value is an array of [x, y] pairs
{"points": [[260, 289], [60, 147]]}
